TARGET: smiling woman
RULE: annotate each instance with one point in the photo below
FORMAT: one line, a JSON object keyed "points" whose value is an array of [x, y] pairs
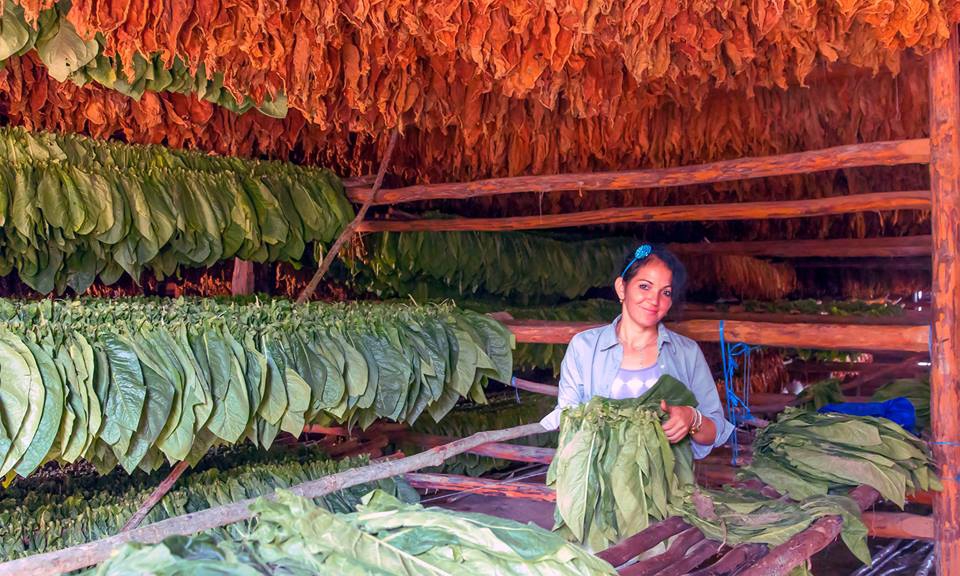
{"points": [[626, 358]]}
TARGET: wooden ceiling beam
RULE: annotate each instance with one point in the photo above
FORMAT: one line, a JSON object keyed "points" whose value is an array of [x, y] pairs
{"points": [[879, 201], [889, 153]]}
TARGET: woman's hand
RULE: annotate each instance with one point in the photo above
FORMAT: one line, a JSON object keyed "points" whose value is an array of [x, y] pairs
{"points": [[679, 422]]}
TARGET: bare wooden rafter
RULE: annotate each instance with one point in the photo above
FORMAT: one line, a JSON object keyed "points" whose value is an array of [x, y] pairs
{"points": [[774, 209], [819, 336], [850, 156]]}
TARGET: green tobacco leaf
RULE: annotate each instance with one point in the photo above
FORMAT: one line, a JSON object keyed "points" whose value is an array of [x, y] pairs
{"points": [[63, 52]]}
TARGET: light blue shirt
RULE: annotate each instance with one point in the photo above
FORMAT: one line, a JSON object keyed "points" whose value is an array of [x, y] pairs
{"points": [[593, 359]]}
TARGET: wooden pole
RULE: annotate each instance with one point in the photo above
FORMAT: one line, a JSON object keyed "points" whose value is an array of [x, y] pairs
{"points": [[243, 280], [91, 553], [801, 546], [899, 525], [944, 86], [502, 450], [837, 336], [911, 200], [678, 549], [851, 156], [642, 541], [892, 247], [156, 496], [352, 227], [481, 486]]}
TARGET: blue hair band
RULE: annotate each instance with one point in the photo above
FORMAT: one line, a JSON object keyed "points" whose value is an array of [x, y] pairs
{"points": [[642, 252]]}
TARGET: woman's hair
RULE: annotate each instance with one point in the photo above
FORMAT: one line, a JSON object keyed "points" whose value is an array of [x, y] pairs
{"points": [[632, 264]]}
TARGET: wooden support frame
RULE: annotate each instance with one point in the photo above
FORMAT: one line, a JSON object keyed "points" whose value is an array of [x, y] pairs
{"points": [[242, 280], [795, 551], [819, 336], [880, 201], [83, 555], [944, 86], [887, 247], [890, 153]]}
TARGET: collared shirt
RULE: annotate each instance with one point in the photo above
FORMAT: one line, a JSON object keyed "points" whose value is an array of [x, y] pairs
{"points": [[593, 359]]}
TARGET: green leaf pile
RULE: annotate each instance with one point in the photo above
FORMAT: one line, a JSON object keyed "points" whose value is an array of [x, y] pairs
{"points": [[36, 521], [515, 265], [497, 415], [819, 394], [916, 390], [69, 57], [735, 517], [805, 454], [384, 537], [73, 209], [135, 382], [614, 469]]}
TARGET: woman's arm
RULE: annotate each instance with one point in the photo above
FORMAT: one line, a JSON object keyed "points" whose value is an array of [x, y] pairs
{"points": [[571, 386], [715, 428]]}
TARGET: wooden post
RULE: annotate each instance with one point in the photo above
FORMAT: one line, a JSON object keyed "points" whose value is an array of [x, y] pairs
{"points": [[944, 387], [242, 281]]}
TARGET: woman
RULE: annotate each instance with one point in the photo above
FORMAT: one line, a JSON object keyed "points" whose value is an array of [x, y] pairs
{"points": [[624, 359]]}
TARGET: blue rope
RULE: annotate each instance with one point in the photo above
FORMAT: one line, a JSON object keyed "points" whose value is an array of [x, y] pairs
{"points": [[516, 391], [738, 409]]}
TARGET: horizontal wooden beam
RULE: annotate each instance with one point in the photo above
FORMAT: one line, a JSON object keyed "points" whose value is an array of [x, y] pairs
{"points": [[906, 319], [504, 451], [899, 525], [905, 264], [909, 200], [888, 247], [819, 336], [851, 156], [811, 367], [482, 486]]}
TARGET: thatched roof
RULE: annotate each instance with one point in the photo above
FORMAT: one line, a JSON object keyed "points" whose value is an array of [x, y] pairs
{"points": [[509, 88], [500, 88]]}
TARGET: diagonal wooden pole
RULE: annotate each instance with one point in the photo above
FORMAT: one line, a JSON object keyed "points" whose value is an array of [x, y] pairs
{"points": [[155, 497], [351, 228]]}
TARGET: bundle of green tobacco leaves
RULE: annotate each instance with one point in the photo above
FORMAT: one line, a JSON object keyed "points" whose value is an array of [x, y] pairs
{"points": [[805, 454], [138, 381], [75, 209], [819, 394], [505, 412], [916, 390], [519, 265], [735, 516], [385, 536], [615, 469], [35, 521]]}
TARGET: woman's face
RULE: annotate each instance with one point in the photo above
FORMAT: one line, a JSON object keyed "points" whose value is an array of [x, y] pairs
{"points": [[649, 295]]}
